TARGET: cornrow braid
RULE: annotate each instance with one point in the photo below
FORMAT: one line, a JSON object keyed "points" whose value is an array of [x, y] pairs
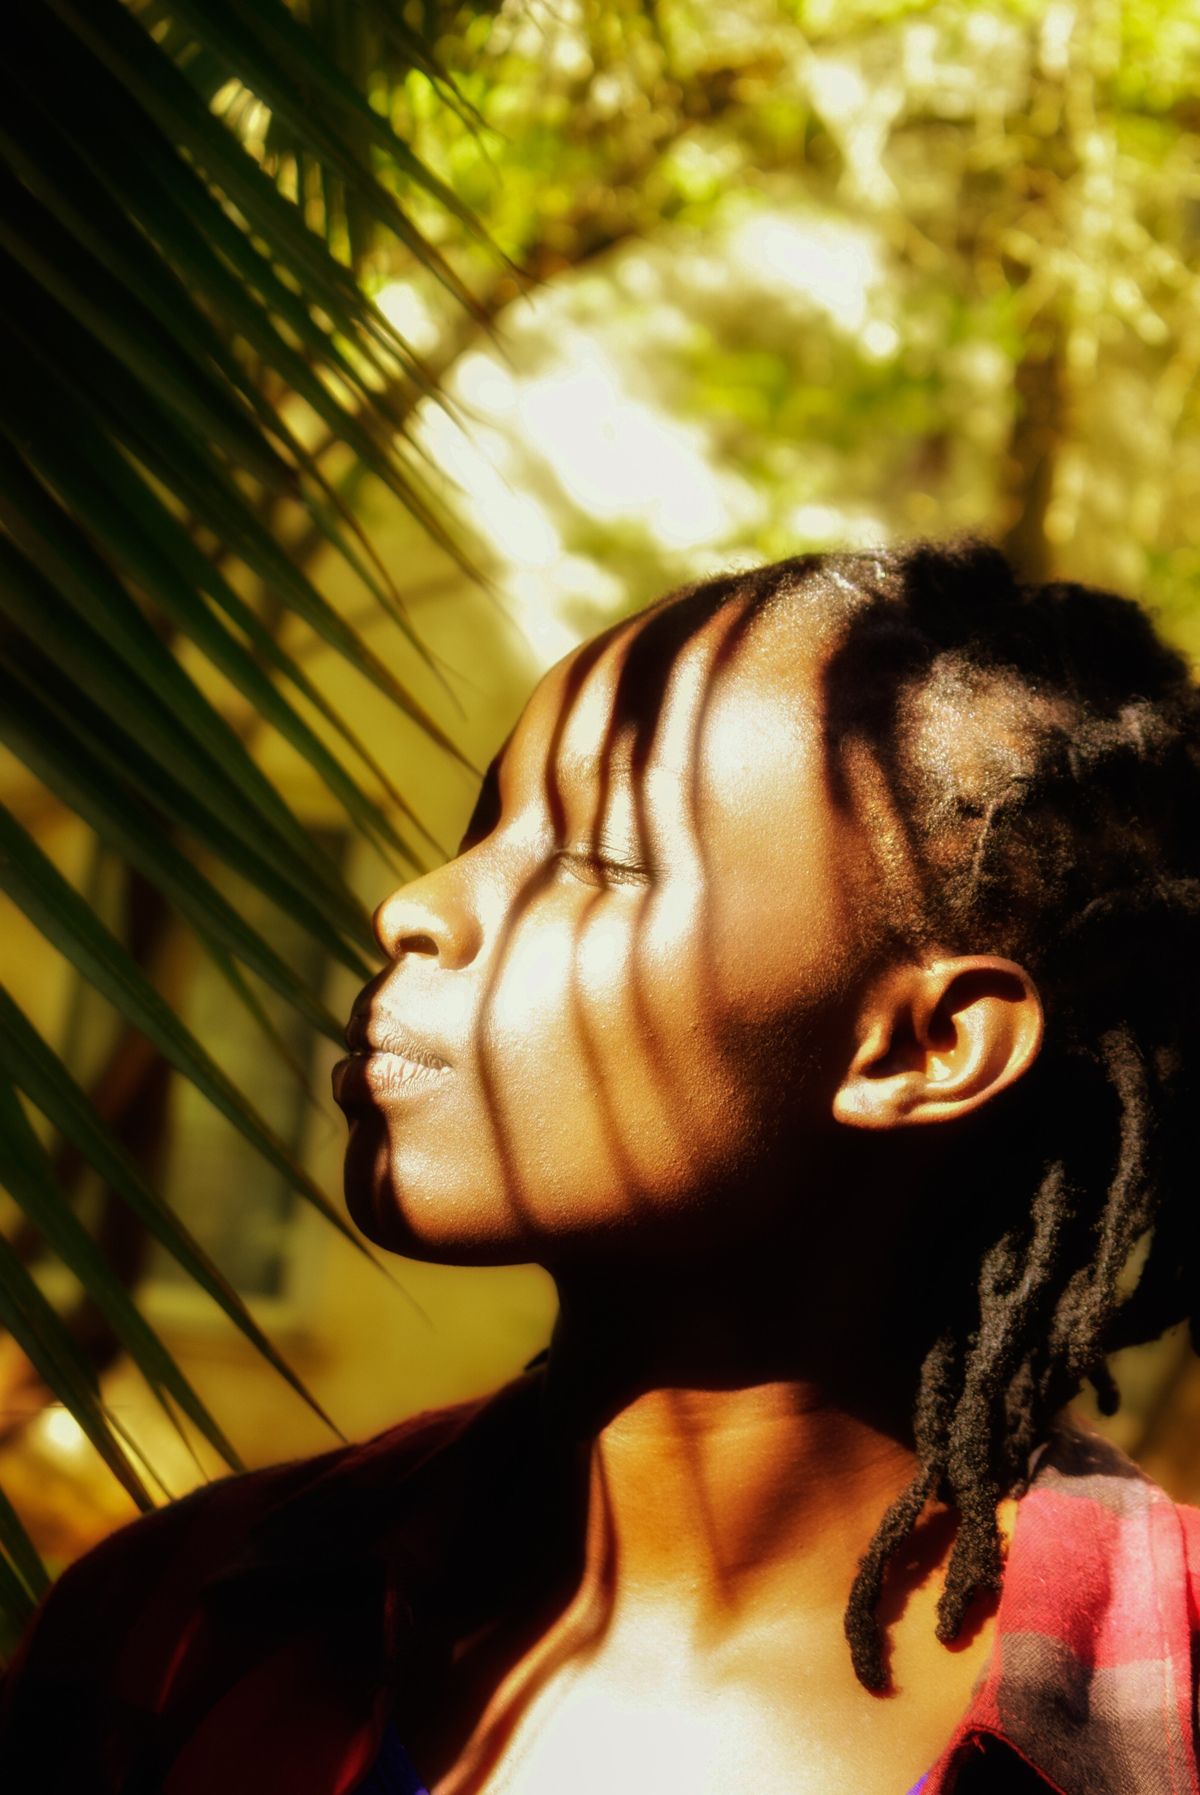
{"points": [[1039, 747]]}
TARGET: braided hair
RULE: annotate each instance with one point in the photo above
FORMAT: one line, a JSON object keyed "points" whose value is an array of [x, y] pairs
{"points": [[1038, 748]]}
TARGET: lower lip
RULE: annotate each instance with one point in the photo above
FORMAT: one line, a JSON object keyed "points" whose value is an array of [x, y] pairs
{"points": [[376, 1077]]}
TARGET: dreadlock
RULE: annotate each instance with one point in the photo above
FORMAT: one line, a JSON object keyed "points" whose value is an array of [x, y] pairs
{"points": [[1039, 751]]}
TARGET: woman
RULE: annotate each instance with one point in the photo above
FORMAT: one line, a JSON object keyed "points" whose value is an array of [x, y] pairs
{"points": [[814, 995]]}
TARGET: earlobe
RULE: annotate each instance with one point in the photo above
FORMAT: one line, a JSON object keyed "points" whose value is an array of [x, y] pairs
{"points": [[939, 1040]]}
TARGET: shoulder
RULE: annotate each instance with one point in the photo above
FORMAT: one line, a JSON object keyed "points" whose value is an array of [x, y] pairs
{"points": [[1100, 1533], [191, 1539], [1096, 1661], [122, 1626], [1092, 1679]]}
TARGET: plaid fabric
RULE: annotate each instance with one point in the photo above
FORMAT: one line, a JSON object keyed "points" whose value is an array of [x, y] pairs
{"points": [[255, 1638], [1092, 1681]]}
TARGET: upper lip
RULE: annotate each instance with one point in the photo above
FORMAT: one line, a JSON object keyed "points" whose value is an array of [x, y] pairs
{"points": [[369, 1032]]}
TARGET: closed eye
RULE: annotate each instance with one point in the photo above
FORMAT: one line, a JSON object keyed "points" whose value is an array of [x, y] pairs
{"points": [[592, 868]]}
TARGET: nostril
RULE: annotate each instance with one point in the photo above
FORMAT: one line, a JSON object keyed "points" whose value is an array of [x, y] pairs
{"points": [[429, 921], [416, 944]]}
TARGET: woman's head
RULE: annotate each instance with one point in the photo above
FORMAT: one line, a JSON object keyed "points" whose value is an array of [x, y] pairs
{"points": [[623, 966], [763, 878], [649, 971]]}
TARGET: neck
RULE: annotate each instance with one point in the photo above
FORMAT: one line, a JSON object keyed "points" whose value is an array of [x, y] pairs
{"points": [[737, 1469]]}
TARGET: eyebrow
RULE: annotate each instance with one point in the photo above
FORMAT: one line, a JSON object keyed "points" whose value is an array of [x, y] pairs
{"points": [[586, 770], [579, 772]]}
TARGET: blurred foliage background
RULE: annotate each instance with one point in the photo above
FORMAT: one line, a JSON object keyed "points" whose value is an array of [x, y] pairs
{"points": [[364, 356]]}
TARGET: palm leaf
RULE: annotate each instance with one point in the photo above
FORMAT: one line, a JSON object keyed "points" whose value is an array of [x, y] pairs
{"points": [[62, 1367], [85, 205], [117, 319], [159, 292], [279, 61], [168, 351], [17, 1600], [37, 1070], [184, 247], [20, 1552], [157, 702], [39, 889], [120, 508], [28, 1177], [149, 79], [136, 764], [32, 732]]}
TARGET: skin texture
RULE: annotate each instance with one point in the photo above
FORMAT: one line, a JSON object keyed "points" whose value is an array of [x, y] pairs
{"points": [[659, 1050]]}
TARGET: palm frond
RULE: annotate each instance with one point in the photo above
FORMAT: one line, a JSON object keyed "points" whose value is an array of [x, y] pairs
{"points": [[28, 1176], [162, 296], [37, 887], [35, 1069]]}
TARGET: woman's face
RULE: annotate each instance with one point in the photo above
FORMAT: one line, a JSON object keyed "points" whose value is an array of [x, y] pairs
{"points": [[614, 1022]]}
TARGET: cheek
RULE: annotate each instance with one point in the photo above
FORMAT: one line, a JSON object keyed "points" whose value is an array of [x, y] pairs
{"points": [[638, 1058], [784, 961], [604, 1054], [602, 984]]}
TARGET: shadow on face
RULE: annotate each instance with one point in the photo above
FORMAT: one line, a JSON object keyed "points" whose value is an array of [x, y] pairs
{"points": [[616, 996], [657, 1013]]}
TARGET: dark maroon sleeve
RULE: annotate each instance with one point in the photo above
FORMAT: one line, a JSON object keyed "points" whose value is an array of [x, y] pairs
{"points": [[64, 1722], [259, 1602], [81, 1696]]}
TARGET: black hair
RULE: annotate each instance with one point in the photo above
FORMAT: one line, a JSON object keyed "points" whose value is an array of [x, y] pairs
{"points": [[1038, 751]]}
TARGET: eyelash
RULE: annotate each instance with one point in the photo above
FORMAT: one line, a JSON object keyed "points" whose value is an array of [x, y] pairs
{"points": [[595, 869]]}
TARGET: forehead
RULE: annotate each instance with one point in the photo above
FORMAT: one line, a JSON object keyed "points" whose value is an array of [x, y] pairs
{"points": [[707, 745], [676, 693]]}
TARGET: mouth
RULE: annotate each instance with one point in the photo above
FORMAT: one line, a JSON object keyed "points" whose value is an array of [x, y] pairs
{"points": [[371, 1077], [383, 1063]]}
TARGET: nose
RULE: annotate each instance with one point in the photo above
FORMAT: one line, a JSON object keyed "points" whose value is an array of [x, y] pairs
{"points": [[432, 916]]}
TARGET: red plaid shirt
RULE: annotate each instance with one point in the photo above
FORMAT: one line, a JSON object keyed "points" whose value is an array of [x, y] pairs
{"points": [[253, 1638], [1092, 1678]]}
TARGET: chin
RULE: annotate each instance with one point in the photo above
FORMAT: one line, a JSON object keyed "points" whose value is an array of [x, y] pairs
{"points": [[403, 1211]]}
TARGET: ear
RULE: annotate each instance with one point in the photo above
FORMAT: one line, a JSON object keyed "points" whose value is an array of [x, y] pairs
{"points": [[936, 1041]]}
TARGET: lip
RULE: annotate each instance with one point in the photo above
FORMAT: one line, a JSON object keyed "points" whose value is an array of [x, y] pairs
{"points": [[382, 1077], [369, 1032], [385, 1061]]}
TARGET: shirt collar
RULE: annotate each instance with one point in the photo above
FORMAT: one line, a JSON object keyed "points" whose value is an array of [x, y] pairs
{"points": [[1090, 1677]]}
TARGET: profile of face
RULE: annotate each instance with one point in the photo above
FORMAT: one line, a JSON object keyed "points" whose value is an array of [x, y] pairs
{"points": [[629, 1017]]}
